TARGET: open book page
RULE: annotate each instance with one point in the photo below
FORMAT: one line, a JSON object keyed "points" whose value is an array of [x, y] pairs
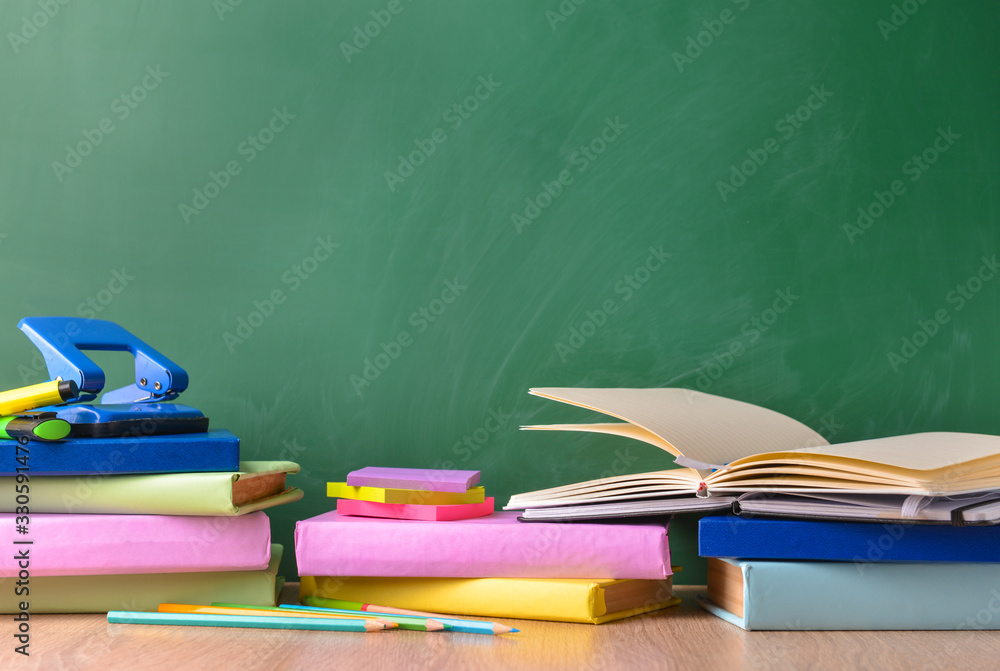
{"points": [[917, 451], [640, 485], [614, 429], [709, 429], [925, 462]]}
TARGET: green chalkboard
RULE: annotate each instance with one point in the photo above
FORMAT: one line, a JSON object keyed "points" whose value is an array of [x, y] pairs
{"points": [[367, 228]]}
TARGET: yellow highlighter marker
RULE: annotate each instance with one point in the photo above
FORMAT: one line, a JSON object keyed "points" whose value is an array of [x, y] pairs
{"points": [[37, 396]]}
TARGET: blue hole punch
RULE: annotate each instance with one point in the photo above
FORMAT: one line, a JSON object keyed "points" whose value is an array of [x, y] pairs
{"points": [[137, 409]]}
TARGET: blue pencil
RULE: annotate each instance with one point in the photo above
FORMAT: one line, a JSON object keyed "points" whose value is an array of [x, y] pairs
{"points": [[462, 626], [248, 621]]}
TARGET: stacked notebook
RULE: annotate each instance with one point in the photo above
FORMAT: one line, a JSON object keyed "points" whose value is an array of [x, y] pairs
{"points": [[132, 502], [776, 574], [891, 533], [489, 565], [95, 542]]}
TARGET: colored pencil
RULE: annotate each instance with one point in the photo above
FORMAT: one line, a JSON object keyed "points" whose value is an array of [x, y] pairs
{"points": [[218, 610], [246, 621], [404, 621], [457, 624]]}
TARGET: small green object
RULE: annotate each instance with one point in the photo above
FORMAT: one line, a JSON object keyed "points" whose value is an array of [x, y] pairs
{"points": [[324, 602], [405, 622], [44, 426]]}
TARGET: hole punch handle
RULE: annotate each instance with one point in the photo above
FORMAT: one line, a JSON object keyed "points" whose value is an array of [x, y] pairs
{"points": [[61, 341]]}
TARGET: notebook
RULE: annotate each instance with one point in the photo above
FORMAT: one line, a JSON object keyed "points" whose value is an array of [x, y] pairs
{"points": [[728, 447]]}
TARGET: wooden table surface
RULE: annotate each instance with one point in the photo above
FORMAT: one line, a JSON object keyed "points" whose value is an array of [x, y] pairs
{"points": [[683, 637]]}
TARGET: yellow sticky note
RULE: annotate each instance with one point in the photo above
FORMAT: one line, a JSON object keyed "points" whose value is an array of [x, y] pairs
{"points": [[340, 490]]}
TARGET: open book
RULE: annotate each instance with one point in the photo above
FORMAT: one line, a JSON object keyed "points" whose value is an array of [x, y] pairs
{"points": [[730, 447]]}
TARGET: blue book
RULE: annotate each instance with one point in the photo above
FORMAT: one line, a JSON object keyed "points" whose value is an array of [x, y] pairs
{"points": [[832, 596], [859, 542], [178, 453]]}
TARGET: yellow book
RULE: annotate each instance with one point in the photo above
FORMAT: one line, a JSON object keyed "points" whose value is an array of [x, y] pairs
{"points": [[340, 490], [559, 600]]}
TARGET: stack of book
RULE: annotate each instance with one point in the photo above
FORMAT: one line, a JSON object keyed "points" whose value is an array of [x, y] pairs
{"points": [[861, 532], [782, 574], [93, 524], [489, 565]]}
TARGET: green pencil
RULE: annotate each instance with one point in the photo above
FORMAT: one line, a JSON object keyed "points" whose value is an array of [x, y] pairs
{"points": [[244, 621], [412, 623], [456, 624]]}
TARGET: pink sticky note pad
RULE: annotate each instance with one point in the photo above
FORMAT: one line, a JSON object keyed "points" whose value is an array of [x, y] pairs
{"points": [[405, 511], [425, 479]]}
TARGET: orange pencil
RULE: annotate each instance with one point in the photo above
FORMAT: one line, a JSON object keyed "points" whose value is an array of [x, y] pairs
{"points": [[404, 622]]}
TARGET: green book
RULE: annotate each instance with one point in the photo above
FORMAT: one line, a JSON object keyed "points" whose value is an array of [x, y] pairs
{"points": [[145, 591], [257, 485]]}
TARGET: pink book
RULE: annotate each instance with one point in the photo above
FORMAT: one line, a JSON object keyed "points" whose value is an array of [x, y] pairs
{"points": [[423, 479], [406, 511], [497, 546], [69, 544]]}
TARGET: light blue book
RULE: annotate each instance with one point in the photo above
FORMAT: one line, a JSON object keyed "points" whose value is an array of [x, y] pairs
{"points": [[831, 596]]}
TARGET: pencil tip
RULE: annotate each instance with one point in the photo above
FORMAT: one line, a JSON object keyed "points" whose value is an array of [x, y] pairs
{"points": [[433, 625], [374, 625]]}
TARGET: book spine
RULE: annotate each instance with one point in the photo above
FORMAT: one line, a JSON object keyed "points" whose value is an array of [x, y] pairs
{"points": [[139, 592], [729, 536], [502, 547], [827, 596], [76, 545], [154, 494], [189, 452]]}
